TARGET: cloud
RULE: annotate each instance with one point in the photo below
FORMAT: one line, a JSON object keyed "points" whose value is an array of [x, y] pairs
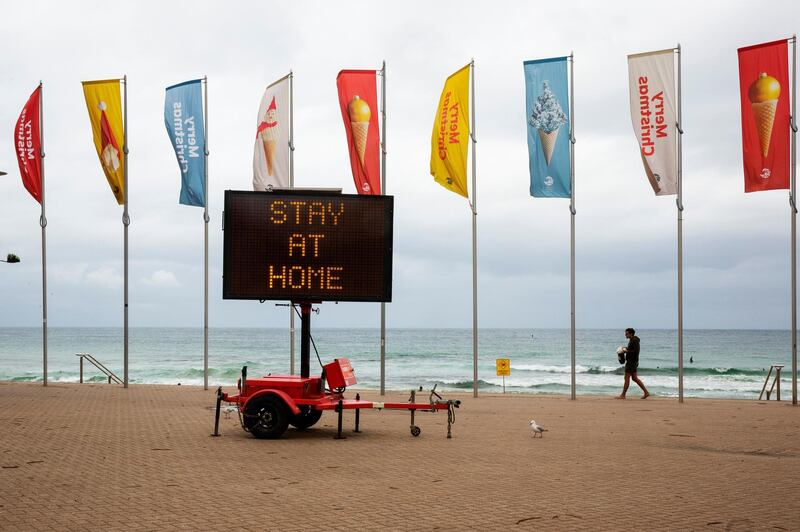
{"points": [[67, 274], [161, 278], [104, 277]]}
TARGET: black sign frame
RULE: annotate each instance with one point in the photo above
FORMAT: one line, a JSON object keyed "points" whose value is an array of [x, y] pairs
{"points": [[236, 261]]}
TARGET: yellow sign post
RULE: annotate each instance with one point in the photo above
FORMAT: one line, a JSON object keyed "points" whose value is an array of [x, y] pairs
{"points": [[503, 369]]}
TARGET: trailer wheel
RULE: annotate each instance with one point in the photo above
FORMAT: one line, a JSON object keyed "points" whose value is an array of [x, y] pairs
{"points": [[306, 418], [415, 430], [266, 417]]}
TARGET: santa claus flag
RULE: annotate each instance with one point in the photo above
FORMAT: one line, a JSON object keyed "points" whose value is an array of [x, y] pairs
{"points": [[27, 143], [358, 100], [764, 89], [271, 150], [104, 104]]}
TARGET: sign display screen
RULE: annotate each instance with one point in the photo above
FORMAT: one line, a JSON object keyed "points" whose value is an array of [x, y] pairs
{"points": [[307, 246]]}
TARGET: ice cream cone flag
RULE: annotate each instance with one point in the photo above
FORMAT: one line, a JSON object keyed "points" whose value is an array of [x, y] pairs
{"points": [[764, 83], [547, 110], [104, 104], [358, 100], [271, 149]]}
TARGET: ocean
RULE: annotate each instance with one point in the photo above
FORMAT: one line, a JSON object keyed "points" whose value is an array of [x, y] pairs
{"points": [[726, 363]]}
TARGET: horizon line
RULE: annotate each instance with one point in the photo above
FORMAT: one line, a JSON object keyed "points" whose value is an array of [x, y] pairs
{"points": [[388, 328]]}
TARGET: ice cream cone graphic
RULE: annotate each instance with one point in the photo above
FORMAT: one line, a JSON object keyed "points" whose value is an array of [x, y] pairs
{"points": [[268, 131], [267, 137], [764, 94], [360, 114], [547, 117], [548, 143]]}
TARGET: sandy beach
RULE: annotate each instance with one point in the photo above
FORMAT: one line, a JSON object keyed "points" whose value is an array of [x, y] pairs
{"points": [[100, 457]]}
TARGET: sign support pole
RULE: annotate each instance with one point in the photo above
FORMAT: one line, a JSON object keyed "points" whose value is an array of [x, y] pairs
{"points": [[305, 337]]}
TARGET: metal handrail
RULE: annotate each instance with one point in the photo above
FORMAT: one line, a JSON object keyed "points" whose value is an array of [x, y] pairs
{"points": [[107, 372], [776, 381]]}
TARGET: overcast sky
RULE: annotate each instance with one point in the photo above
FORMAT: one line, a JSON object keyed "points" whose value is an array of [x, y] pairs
{"points": [[736, 245]]}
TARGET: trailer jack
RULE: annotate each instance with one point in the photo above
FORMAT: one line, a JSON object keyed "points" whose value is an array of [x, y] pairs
{"points": [[450, 405]]}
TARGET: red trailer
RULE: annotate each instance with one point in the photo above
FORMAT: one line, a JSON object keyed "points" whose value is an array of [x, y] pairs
{"points": [[268, 405]]}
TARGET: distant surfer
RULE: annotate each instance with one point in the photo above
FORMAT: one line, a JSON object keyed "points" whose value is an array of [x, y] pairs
{"points": [[691, 360]]}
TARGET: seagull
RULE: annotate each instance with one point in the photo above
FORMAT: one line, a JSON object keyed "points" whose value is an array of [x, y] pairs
{"points": [[537, 429]]}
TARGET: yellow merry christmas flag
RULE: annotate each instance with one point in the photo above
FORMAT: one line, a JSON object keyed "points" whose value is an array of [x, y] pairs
{"points": [[105, 113], [451, 134]]}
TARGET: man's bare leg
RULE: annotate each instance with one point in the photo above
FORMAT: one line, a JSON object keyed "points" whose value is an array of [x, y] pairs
{"points": [[641, 385], [625, 387]]}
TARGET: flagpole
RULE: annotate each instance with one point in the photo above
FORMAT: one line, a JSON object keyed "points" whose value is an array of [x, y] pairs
{"points": [[43, 225], [572, 217], [679, 204], [206, 219], [474, 244], [794, 219], [383, 191], [291, 185], [125, 222]]}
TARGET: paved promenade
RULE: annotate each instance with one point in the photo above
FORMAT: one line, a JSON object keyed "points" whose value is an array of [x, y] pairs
{"points": [[100, 457]]}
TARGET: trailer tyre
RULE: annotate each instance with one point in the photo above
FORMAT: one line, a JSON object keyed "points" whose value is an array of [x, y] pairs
{"points": [[266, 417], [415, 430], [306, 418]]}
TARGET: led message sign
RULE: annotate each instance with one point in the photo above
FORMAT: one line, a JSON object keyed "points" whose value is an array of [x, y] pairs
{"points": [[307, 246]]}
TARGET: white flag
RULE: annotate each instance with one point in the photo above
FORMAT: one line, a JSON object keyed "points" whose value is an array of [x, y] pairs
{"points": [[652, 89], [271, 150]]}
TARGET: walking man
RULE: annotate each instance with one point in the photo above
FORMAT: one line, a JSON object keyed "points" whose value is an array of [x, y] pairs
{"points": [[632, 363]]}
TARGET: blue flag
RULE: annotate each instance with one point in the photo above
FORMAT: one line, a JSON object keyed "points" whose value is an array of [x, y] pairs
{"points": [[183, 116], [547, 115]]}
